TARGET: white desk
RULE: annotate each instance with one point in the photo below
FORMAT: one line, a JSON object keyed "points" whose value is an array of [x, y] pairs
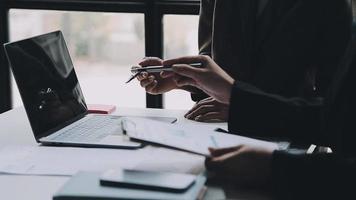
{"points": [[15, 129]]}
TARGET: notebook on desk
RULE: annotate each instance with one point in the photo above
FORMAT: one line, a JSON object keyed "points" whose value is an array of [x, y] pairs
{"points": [[86, 185], [53, 99]]}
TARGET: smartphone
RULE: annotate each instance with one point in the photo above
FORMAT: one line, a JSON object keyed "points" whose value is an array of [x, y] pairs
{"points": [[158, 181]]}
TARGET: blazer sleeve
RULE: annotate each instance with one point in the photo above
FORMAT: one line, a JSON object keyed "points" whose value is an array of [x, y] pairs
{"points": [[337, 23], [313, 176], [205, 30], [256, 113]]}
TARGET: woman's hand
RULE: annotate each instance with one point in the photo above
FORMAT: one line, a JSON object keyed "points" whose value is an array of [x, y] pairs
{"points": [[154, 83], [243, 165], [208, 110], [210, 77]]}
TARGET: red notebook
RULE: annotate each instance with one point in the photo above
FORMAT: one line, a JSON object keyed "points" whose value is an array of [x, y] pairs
{"points": [[101, 109]]}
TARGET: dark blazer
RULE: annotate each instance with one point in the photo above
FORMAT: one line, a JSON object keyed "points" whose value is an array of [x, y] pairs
{"points": [[290, 49], [328, 121], [332, 123], [324, 176]]}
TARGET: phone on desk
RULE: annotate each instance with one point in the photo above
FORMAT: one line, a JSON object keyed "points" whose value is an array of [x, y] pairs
{"points": [[158, 181]]}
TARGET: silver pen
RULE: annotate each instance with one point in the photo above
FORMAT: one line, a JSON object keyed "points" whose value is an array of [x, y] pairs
{"points": [[155, 69], [132, 77]]}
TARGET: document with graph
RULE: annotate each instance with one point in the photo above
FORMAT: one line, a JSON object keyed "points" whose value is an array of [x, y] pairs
{"points": [[192, 138]]}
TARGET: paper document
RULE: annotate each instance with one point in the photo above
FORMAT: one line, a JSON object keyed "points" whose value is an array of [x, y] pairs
{"points": [[43, 160], [192, 138]]}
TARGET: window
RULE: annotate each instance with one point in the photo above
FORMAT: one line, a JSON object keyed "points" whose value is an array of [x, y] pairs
{"points": [[180, 39], [103, 47], [121, 25]]}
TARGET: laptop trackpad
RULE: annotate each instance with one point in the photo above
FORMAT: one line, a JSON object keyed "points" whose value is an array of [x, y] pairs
{"points": [[118, 140]]}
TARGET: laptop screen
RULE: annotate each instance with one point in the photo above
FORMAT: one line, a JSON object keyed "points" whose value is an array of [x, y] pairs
{"points": [[47, 82]]}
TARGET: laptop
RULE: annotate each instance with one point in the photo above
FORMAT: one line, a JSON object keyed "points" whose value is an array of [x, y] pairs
{"points": [[53, 99]]}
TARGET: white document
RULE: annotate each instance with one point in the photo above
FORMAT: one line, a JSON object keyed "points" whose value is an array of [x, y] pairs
{"points": [[44, 160], [192, 138], [66, 161]]}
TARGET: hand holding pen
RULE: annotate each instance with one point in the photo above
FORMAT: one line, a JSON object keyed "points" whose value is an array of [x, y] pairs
{"points": [[137, 70], [210, 78], [154, 83]]}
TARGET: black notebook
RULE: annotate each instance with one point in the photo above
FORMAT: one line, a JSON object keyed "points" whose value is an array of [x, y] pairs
{"points": [[86, 185]]}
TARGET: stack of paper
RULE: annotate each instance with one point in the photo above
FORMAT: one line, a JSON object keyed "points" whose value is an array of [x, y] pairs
{"points": [[43, 160]]}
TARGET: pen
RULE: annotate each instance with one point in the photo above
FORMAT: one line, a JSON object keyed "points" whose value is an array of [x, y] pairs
{"points": [[154, 69], [133, 76]]}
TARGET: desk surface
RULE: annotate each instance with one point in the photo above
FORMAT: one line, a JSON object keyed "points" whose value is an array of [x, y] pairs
{"points": [[15, 130]]}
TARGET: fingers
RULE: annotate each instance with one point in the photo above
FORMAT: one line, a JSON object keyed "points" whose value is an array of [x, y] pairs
{"points": [[184, 81], [152, 88], [186, 70], [210, 117], [147, 81], [200, 110], [165, 74], [209, 99], [142, 76], [219, 163], [207, 110], [206, 101], [148, 61], [186, 60], [150, 84], [180, 66], [219, 152]]}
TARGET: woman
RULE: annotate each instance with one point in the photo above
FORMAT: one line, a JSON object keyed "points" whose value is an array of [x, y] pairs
{"points": [[289, 175], [285, 47]]}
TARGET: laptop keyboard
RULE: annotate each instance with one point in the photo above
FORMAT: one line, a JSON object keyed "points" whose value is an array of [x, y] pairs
{"points": [[89, 130]]}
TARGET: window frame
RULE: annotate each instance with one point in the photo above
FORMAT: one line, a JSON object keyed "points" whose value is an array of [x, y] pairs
{"points": [[153, 10]]}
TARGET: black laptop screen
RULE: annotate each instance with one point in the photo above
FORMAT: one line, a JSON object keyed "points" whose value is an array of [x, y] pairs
{"points": [[47, 82]]}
